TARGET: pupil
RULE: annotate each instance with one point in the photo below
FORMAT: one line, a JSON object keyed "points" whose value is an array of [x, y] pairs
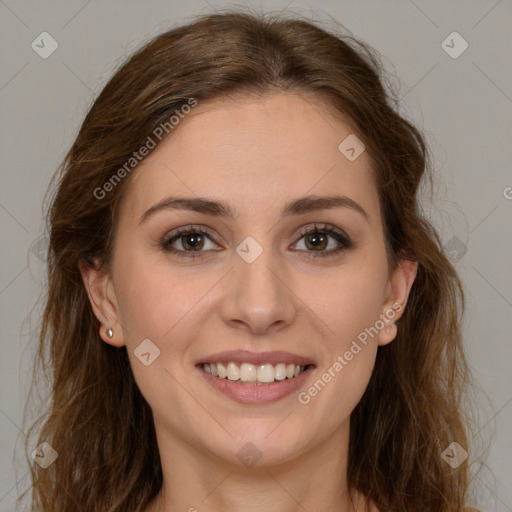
{"points": [[192, 241], [317, 240]]}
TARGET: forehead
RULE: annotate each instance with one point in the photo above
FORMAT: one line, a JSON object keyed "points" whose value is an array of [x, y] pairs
{"points": [[254, 152]]}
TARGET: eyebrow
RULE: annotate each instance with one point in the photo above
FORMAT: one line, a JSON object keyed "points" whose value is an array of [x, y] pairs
{"points": [[214, 208]]}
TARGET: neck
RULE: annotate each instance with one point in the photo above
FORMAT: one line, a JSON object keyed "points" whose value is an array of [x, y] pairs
{"points": [[197, 481]]}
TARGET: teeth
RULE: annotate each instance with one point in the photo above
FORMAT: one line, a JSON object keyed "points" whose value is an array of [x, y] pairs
{"points": [[259, 374], [233, 371], [280, 370], [221, 370], [266, 373], [248, 373]]}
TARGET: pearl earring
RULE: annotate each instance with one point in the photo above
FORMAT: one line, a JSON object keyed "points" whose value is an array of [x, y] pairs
{"points": [[110, 333]]}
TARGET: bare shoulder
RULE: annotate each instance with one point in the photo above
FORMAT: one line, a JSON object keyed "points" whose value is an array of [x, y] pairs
{"points": [[374, 508]]}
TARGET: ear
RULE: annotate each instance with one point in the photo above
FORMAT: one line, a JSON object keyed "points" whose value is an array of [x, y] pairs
{"points": [[397, 292], [100, 290]]}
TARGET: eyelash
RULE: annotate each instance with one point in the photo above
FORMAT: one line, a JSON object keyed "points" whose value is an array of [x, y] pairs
{"points": [[325, 229]]}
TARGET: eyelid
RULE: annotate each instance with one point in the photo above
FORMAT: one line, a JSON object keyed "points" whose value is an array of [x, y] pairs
{"points": [[199, 228], [324, 227]]}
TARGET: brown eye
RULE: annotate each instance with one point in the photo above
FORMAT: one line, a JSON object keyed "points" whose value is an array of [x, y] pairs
{"points": [[188, 242], [317, 241], [193, 241]]}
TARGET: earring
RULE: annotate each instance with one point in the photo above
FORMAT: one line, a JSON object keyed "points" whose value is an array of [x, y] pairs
{"points": [[110, 333]]}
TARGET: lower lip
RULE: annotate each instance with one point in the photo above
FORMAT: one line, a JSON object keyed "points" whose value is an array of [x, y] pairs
{"points": [[257, 394]]}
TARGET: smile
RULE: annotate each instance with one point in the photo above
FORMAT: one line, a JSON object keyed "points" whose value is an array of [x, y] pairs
{"points": [[254, 374], [256, 377]]}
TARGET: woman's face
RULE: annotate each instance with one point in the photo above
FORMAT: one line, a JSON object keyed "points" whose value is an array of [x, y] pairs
{"points": [[252, 283]]}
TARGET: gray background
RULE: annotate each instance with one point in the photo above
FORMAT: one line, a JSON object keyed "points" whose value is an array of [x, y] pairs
{"points": [[463, 104]]}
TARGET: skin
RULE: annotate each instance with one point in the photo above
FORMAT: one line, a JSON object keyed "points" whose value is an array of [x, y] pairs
{"points": [[255, 154]]}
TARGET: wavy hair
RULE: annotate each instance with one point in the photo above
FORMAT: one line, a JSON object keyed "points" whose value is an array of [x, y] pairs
{"points": [[97, 420]]}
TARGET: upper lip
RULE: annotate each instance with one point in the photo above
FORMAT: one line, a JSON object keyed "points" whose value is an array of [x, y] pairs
{"points": [[256, 358]]}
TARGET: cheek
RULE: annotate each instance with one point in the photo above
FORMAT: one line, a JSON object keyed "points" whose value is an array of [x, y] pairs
{"points": [[156, 303], [348, 300], [349, 304], [350, 307], [154, 298]]}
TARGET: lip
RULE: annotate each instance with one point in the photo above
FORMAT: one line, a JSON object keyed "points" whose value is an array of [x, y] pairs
{"points": [[251, 393], [244, 356], [257, 394]]}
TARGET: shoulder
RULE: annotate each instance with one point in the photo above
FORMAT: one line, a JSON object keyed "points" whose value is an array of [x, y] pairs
{"points": [[374, 508]]}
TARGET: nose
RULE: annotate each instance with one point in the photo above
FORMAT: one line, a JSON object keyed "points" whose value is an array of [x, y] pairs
{"points": [[257, 296]]}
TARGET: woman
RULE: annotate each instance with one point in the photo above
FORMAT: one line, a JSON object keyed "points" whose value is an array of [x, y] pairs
{"points": [[246, 310]]}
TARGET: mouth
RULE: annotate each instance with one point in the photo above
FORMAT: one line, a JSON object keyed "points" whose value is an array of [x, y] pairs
{"points": [[254, 375], [250, 377]]}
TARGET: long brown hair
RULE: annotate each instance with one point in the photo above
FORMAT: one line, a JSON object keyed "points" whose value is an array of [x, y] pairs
{"points": [[97, 419]]}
